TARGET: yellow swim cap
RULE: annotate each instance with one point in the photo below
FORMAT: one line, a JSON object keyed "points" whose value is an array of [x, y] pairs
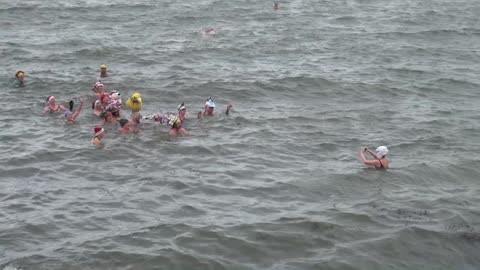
{"points": [[103, 66]]}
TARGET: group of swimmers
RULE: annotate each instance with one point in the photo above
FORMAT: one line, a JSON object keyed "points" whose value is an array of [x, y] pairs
{"points": [[109, 106]]}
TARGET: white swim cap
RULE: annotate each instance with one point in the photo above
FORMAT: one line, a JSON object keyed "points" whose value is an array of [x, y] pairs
{"points": [[181, 107], [382, 151]]}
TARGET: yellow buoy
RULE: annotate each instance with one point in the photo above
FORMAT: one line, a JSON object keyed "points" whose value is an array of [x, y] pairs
{"points": [[134, 102]]}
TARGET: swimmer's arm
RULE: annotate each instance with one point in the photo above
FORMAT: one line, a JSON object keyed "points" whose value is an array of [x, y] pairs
{"points": [[229, 107], [77, 112], [366, 161], [374, 155], [46, 110], [160, 118]]}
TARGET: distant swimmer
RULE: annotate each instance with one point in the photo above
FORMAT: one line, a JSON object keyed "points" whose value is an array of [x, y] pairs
{"points": [[52, 106], [19, 79], [210, 107], [98, 133], [103, 71], [70, 114], [276, 6], [380, 161], [209, 32], [98, 88]]}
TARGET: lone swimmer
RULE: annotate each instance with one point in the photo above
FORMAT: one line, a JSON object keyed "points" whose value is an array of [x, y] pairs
{"points": [[380, 161], [19, 79], [103, 71]]}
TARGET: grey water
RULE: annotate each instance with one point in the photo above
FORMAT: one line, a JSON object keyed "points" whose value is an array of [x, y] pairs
{"points": [[278, 183]]}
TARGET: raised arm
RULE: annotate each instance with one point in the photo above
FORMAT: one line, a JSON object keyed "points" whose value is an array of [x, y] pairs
{"points": [[229, 107], [373, 154], [365, 160], [77, 112]]}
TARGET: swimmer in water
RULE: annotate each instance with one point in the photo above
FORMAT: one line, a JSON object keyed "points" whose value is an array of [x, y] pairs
{"points": [[19, 79], [124, 126], [210, 107], [182, 111], [98, 88], [108, 117], [115, 98], [103, 71], [99, 106], [209, 32], [177, 129], [115, 104], [168, 118], [98, 133], [52, 105], [70, 115], [134, 124], [380, 161], [276, 6]]}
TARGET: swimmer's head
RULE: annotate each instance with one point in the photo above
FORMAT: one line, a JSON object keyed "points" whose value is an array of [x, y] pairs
{"points": [[115, 95], [123, 122], [103, 71], [70, 105], [20, 75], [210, 31], [209, 106], [98, 131], [108, 116], [51, 99], [105, 98], [115, 112], [382, 151], [182, 107], [210, 103], [98, 87]]}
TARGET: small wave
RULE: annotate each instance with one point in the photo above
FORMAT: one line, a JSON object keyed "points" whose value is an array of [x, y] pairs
{"points": [[11, 267], [458, 86]]}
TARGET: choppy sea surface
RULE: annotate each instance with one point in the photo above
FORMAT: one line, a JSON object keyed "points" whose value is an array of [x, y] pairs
{"points": [[277, 184]]}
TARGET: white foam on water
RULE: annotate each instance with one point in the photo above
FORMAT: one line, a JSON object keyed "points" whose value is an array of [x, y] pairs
{"points": [[10, 267]]}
